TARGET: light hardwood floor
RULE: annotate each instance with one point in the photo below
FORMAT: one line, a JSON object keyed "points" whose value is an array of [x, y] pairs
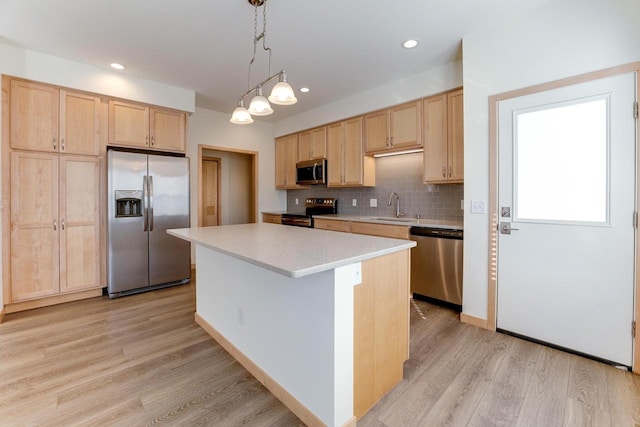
{"points": [[142, 360]]}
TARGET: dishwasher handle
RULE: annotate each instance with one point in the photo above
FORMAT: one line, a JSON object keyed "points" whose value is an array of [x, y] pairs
{"points": [[438, 233]]}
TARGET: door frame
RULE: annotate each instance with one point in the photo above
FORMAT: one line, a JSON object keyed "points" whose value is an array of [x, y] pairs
{"points": [[200, 186], [254, 179], [493, 187]]}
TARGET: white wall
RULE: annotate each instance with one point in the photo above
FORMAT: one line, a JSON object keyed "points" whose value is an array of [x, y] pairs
{"points": [[45, 68], [212, 128], [431, 81], [560, 40]]}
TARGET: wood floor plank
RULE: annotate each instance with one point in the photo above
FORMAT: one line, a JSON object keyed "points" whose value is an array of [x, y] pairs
{"points": [[544, 402], [502, 403], [459, 401], [587, 394], [624, 404], [142, 360]]}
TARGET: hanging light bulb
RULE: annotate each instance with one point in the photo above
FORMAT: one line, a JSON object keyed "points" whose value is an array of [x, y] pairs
{"points": [[259, 105], [282, 93], [240, 115]]}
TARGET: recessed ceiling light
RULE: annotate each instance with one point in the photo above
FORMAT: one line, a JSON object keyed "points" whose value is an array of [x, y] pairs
{"points": [[410, 44], [117, 66], [304, 89]]}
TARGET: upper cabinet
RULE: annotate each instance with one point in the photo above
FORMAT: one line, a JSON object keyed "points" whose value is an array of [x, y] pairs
{"points": [[312, 144], [138, 125], [444, 138], [393, 129], [286, 158], [347, 165], [45, 118]]}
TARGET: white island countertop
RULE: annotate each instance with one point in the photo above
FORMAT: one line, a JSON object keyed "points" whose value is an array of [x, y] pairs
{"points": [[291, 251]]}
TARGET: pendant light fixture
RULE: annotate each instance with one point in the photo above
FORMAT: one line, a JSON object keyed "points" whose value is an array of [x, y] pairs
{"points": [[281, 94]]}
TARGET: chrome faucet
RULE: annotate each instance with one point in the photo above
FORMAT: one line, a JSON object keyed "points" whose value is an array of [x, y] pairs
{"points": [[398, 214]]}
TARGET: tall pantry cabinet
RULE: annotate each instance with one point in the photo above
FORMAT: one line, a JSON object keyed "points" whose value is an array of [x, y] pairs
{"points": [[51, 167]]}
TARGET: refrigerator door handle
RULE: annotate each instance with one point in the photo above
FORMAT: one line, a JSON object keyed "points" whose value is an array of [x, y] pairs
{"points": [[145, 191], [150, 202]]}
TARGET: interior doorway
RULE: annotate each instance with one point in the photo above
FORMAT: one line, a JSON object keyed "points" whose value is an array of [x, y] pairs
{"points": [[210, 191], [227, 186]]}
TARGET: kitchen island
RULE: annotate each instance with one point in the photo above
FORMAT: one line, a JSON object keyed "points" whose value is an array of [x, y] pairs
{"points": [[320, 318]]}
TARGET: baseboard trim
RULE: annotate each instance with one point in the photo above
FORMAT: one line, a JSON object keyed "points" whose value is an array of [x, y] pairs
{"points": [[475, 321], [350, 423], [47, 301], [278, 391]]}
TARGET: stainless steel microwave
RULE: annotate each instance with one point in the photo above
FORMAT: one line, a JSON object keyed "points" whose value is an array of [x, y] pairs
{"points": [[311, 172]]}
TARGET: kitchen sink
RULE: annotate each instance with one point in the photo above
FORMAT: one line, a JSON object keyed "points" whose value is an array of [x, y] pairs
{"points": [[392, 219]]}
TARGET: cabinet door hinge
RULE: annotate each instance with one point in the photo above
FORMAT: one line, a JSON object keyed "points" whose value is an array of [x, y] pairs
{"points": [[635, 110], [635, 219]]}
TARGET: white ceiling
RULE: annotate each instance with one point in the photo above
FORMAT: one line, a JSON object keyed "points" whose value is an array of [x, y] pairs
{"points": [[335, 47]]}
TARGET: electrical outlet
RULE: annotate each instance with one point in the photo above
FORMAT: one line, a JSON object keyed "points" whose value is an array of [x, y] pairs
{"points": [[373, 203], [354, 202], [462, 204], [478, 207], [296, 201]]}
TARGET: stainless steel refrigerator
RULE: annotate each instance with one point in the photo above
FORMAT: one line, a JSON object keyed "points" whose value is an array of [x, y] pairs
{"points": [[147, 194]]}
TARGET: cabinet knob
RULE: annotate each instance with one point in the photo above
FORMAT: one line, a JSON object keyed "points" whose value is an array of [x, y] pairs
{"points": [[62, 144], [55, 140], [146, 140], [62, 224], [153, 140], [391, 141], [444, 171], [449, 171], [55, 225]]}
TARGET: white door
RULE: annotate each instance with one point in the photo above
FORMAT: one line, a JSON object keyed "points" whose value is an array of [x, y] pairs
{"points": [[567, 191]]}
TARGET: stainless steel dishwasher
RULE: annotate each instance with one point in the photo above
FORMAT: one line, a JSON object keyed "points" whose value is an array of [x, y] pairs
{"points": [[436, 266]]}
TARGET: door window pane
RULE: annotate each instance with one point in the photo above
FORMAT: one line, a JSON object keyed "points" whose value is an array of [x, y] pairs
{"points": [[561, 158]]}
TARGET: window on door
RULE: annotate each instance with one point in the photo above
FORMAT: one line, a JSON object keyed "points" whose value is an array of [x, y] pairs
{"points": [[569, 143]]}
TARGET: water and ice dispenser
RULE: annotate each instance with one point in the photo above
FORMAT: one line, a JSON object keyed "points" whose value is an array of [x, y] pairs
{"points": [[128, 203]]}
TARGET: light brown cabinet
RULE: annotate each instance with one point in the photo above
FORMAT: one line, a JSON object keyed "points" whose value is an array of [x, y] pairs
{"points": [[312, 144], [393, 129], [286, 158], [444, 138], [346, 163], [332, 224], [55, 224], [272, 218], [381, 230], [138, 125], [368, 228], [47, 119]]}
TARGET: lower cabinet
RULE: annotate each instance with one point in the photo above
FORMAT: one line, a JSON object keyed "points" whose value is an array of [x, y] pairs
{"points": [[381, 230], [371, 229], [332, 224], [55, 224], [272, 218]]}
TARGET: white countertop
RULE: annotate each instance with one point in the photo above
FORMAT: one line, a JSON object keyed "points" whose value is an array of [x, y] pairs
{"points": [[291, 251], [407, 222]]}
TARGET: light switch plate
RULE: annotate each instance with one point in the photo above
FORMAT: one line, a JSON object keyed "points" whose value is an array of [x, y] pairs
{"points": [[373, 203], [296, 201], [478, 207]]}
